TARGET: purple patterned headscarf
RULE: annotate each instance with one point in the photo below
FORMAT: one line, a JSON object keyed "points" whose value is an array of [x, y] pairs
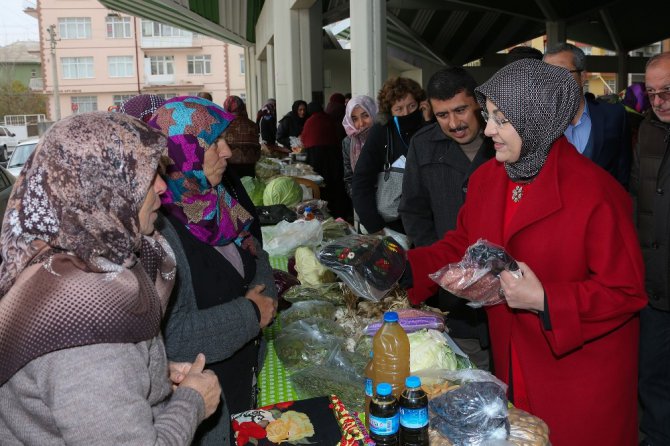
{"points": [[208, 211], [142, 106]]}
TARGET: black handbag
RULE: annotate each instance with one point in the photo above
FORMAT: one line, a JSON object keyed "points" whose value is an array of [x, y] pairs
{"points": [[274, 213]]}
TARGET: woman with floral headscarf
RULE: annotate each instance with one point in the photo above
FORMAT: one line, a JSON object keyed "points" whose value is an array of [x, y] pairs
{"points": [[84, 286], [225, 290], [566, 338], [359, 117]]}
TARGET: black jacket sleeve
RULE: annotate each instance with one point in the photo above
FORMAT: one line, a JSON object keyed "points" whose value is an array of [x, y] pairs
{"points": [[364, 181], [284, 131], [346, 160]]}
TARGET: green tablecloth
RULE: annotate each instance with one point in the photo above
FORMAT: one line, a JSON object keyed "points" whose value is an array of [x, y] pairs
{"points": [[274, 382]]}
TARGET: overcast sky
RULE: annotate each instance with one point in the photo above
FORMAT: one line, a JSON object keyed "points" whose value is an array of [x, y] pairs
{"points": [[15, 24]]}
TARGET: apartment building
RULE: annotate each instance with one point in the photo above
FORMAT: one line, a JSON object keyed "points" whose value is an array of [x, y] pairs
{"points": [[103, 57]]}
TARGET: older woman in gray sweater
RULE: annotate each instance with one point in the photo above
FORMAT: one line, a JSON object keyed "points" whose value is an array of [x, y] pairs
{"points": [[83, 291]]}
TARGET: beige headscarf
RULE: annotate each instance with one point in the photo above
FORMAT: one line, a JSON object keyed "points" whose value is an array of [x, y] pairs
{"points": [[71, 237]]}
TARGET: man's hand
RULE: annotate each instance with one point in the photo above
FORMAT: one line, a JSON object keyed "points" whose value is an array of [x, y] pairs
{"points": [[204, 382]]}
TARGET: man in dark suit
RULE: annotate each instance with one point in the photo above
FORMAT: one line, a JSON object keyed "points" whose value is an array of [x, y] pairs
{"points": [[440, 159], [599, 130]]}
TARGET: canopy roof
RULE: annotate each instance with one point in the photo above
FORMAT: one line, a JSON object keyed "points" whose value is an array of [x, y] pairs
{"points": [[453, 32]]}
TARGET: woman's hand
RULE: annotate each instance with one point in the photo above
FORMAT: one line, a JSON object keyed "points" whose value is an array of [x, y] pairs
{"points": [[178, 371], [266, 305], [204, 382], [523, 291]]}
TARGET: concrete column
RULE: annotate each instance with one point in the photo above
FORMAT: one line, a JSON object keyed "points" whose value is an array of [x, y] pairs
{"points": [[556, 33], [288, 73], [270, 72], [622, 72], [250, 77], [368, 46], [305, 60]]}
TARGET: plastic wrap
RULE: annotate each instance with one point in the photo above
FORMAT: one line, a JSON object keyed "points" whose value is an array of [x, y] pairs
{"points": [[476, 276], [310, 271], [299, 349], [370, 265], [285, 237], [324, 380], [329, 292], [307, 309]]}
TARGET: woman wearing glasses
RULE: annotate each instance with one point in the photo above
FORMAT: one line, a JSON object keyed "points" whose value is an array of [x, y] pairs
{"points": [[566, 339]]}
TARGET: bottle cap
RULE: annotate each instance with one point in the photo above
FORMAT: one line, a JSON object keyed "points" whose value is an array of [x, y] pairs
{"points": [[390, 316], [371, 351], [308, 209], [412, 382], [384, 389]]}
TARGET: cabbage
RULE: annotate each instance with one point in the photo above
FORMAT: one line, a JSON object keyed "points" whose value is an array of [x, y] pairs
{"points": [[282, 190], [254, 188], [429, 350]]}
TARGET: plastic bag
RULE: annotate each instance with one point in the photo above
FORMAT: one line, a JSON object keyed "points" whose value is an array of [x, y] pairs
{"points": [[267, 168], [526, 429], [334, 229], [310, 271], [476, 276], [273, 214], [329, 292], [370, 265], [317, 324], [319, 208], [412, 321], [285, 237], [472, 414], [324, 380], [304, 346], [304, 310]]}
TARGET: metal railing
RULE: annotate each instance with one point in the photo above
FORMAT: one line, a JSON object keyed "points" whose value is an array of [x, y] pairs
{"points": [[24, 119]]}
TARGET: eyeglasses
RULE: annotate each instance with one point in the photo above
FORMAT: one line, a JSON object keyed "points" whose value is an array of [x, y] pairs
{"points": [[663, 93], [496, 119]]}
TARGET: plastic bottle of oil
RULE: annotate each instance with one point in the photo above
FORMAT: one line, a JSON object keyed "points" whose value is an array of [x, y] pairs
{"points": [[390, 346], [369, 388]]}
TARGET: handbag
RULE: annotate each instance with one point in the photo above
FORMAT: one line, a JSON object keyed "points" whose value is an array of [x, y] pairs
{"points": [[389, 185]]}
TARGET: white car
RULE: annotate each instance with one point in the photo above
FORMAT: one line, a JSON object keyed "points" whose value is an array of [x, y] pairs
{"points": [[20, 155], [7, 142]]}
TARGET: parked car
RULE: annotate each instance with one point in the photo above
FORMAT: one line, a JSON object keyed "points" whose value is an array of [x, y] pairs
{"points": [[20, 155], [7, 142], [6, 183]]}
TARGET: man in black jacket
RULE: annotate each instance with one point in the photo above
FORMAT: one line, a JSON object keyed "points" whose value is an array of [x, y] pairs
{"points": [[650, 186], [440, 159]]}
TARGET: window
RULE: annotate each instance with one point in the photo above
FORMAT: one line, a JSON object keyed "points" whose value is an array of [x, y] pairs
{"points": [[611, 84], [118, 27], [84, 104], [155, 29], [77, 67], [33, 72], [121, 98], [242, 64], [199, 64], [74, 27], [162, 65], [120, 66], [166, 96]]}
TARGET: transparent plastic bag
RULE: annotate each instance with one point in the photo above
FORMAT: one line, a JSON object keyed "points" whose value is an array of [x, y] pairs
{"points": [[371, 265], [285, 237], [329, 292], [323, 380], [476, 276], [307, 309], [310, 271], [472, 414], [305, 347]]}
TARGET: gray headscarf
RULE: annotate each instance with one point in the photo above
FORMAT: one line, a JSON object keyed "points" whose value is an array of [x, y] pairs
{"points": [[540, 100]]}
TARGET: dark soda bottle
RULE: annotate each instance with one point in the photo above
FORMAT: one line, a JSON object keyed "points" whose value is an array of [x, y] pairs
{"points": [[384, 417], [413, 414]]}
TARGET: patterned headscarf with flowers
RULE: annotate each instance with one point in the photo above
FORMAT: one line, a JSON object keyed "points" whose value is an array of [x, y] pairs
{"points": [[208, 211]]}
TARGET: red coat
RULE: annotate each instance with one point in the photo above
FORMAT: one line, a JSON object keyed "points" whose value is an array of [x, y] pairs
{"points": [[574, 229]]}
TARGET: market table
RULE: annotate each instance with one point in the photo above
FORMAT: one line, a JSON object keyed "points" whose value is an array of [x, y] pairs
{"points": [[273, 380]]}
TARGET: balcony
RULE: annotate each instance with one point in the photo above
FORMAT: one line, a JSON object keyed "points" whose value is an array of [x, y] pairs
{"points": [[184, 41]]}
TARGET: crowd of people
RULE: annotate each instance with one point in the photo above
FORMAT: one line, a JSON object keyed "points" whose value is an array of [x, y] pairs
{"points": [[135, 285]]}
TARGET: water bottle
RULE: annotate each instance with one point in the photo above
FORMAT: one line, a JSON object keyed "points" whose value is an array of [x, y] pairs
{"points": [[384, 417], [309, 215], [369, 388], [413, 414], [391, 353]]}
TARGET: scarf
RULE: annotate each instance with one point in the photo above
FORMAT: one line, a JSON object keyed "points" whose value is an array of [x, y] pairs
{"points": [[540, 100], [208, 211], [142, 106], [235, 105], [70, 239], [358, 137]]}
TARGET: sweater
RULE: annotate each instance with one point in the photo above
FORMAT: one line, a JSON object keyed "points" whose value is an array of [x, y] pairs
{"points": [[100, 394]]}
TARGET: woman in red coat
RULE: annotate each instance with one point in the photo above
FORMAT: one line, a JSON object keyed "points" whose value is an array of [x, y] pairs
{"points": [[566, 339]]}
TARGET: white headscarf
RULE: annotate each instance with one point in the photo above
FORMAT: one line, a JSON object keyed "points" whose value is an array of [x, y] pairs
{"points": [[358, 137]]}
